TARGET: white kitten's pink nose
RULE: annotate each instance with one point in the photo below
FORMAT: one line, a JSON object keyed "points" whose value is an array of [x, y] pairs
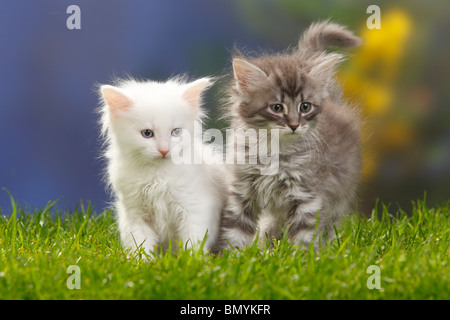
{"points": [[163, 152]]}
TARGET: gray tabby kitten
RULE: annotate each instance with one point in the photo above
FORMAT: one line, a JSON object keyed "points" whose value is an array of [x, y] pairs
{"points": [[319, 142]]}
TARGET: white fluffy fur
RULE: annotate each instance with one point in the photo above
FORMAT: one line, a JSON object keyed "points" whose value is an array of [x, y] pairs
{"points": [[157, 200]]}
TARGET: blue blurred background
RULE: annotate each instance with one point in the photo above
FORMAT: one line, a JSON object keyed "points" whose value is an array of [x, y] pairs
{"points": [[49, 137]]}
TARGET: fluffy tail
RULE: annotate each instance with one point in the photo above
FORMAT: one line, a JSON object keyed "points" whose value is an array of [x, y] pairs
{"points": [[322, 35]]}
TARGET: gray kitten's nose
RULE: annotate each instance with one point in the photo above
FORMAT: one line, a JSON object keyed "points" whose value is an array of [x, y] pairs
{"points": [[293, 127]]}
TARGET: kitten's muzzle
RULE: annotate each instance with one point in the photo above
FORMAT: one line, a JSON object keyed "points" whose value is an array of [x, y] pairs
{"points": [[163, 152], [293, 127]]}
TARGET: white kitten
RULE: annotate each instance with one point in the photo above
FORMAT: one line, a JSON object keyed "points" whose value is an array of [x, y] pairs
{"points": [[156, 199]]}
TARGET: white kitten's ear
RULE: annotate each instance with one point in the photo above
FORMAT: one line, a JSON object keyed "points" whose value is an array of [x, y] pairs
{"points": [[192, 95], [245, 72], [115, 98]]}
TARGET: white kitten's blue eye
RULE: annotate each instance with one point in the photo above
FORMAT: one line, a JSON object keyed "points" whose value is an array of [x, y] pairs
{"points": [[147, 133], [176, 132]]}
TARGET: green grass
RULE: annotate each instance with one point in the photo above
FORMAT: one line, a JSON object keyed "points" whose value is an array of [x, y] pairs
{"points": [[38, 245]]}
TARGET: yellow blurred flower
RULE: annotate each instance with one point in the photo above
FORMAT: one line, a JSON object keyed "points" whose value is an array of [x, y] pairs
{"points": [[383, 48], [369, 77]]}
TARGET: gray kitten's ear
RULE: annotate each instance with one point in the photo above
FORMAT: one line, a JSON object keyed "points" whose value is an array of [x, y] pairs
{"points": [[192, 95], [245, 72], [115, 98], [324, 66]]}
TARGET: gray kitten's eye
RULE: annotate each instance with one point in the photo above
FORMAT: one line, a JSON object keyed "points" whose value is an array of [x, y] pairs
{"points": [[277, 108], [176, 132], [305, 107], [147, 133]]}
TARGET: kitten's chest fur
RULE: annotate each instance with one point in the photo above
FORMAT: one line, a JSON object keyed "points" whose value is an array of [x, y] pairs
{"points": [[154, 198], [162, 207], [278, 192]]}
